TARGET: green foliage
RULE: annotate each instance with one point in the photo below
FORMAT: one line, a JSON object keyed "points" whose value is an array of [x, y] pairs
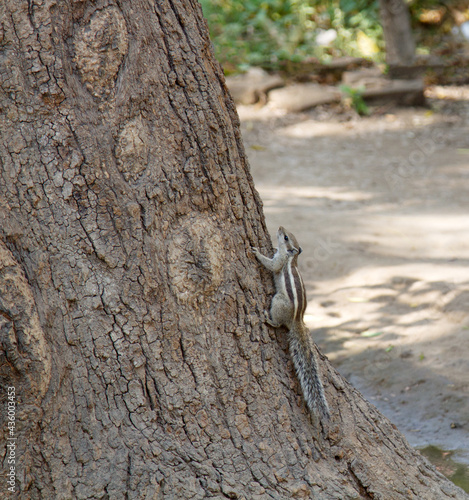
{"points": [[354, 98], [259, 32], [357, 20], [264, 32]]}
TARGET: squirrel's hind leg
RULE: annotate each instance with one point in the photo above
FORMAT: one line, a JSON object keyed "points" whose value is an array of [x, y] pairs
{"points": [[280, 311]]}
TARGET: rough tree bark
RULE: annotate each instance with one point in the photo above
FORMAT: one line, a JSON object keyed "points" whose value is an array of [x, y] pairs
{"points": [[129, 304], [400, 45]]}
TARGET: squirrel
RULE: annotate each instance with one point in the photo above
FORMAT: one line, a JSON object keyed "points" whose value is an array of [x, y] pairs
{"points": [[287, 309]]}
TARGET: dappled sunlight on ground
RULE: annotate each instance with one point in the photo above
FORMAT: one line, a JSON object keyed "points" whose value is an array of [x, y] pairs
{"points": [[312, 128], [308, 195]]}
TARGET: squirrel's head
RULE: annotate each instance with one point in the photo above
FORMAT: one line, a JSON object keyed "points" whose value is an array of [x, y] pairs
{"points": [[287, 242]]}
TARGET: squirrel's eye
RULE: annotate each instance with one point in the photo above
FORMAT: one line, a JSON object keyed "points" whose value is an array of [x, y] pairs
{"points": [[286, 238]]}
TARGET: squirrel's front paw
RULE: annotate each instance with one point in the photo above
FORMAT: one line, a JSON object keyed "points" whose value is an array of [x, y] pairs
{"points": [[254, 250]]}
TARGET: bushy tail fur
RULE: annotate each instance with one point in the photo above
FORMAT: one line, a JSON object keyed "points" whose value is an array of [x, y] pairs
{"points": [[304, 356]]}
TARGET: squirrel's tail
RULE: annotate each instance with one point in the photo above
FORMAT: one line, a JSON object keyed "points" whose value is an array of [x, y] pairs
{"points": [[303, 353]]}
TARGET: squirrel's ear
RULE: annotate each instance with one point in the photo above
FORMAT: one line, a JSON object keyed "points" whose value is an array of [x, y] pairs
{"points": [[299, 250]]}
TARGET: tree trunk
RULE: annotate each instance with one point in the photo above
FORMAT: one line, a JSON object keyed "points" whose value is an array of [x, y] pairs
{"points": [[400, 45], [134, 362]]}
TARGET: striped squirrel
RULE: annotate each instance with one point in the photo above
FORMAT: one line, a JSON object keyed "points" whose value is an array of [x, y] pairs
{"points": [[287, 309]]}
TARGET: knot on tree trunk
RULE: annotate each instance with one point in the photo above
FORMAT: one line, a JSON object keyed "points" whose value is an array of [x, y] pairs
{"points": [[25, 360]]}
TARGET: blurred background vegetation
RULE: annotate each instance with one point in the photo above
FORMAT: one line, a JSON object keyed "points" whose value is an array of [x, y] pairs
{"points": [[268, 33]]}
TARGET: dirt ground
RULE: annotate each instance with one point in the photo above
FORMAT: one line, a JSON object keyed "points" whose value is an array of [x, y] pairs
{"points": [[380, 206]]}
